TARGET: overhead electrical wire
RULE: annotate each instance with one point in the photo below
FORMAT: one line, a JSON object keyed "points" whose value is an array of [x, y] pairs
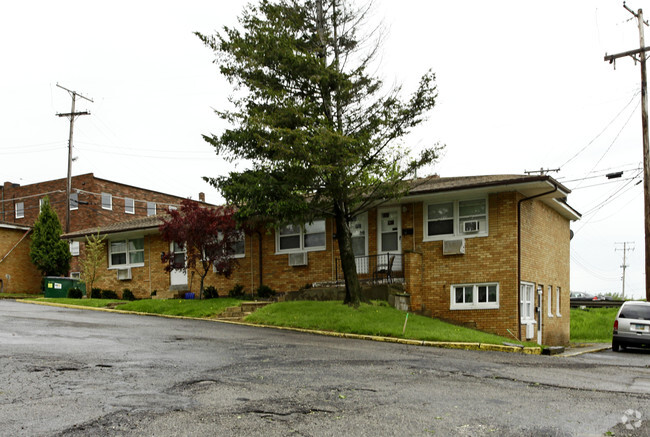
{"points": [[636, 93]]}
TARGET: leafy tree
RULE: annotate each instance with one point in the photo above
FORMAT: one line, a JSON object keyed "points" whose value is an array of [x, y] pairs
{"points": [[93, 263], [48, 252], [321, 136], [208, 235]]}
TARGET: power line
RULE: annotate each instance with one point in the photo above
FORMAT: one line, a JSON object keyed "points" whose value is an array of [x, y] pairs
{"points": [[636, 93]]}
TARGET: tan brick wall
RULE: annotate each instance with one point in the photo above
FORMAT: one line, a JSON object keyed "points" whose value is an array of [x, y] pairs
{"points": [[17, 273], [486, 259], [545, 261], [429, 275]]}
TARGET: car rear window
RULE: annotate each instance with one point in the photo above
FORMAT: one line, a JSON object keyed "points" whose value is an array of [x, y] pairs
{"points": [[635, 312]]}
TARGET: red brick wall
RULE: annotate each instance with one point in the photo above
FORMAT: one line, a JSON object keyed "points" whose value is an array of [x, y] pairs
{"points": [[90, 213], [17, 273]]}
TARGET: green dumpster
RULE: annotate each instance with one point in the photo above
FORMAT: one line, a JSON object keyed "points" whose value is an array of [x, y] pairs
{"points": [[58, 287]]}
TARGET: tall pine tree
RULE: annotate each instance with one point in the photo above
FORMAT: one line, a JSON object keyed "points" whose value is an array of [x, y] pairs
{"points": [[48, 252], [320, 135]]}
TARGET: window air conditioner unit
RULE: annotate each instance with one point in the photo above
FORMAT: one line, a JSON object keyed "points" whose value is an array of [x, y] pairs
{"points": [[470, 226], [124, 274], [298, 259], [453, 247]]}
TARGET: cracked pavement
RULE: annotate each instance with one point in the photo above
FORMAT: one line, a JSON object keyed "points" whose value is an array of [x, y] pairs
{"points": [[68, 372]]}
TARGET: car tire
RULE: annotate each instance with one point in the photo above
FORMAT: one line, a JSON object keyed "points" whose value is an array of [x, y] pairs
{"points": [[615, 346]]}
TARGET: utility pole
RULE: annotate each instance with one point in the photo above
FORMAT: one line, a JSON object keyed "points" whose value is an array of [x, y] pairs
{"points": [[71, 115], [639, 55], [542, 171], [624, 266]]}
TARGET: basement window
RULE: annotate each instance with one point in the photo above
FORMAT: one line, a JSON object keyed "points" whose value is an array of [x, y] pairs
{"points": [[475, 296]]}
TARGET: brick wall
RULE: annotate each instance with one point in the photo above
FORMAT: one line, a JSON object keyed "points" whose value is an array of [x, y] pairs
{"points": [[545, 251], [486, 259], [89, 213], [429, 275], [17, 273]]}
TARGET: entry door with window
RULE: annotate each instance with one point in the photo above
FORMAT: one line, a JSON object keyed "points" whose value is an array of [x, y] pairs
{"points": [[390, 237], [359, 230], [178, 277], [527, 308]]}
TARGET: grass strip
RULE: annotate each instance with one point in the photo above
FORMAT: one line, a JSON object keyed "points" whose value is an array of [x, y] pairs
{"points": [[369, 319], [592, 325]]}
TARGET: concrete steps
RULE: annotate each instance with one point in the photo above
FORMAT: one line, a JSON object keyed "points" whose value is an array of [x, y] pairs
{"points": [[239, 312]]}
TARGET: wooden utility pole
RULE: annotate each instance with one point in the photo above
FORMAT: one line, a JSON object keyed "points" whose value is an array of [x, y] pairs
{"points": [[624, 265], [639, 55], [71, 115]]}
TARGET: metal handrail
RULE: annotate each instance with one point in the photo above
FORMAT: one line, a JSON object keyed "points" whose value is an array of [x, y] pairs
{"points": [[374, 268]]}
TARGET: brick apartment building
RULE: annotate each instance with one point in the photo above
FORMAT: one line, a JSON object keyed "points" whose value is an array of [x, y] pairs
{"points": [[490, 252], [94, 202]]}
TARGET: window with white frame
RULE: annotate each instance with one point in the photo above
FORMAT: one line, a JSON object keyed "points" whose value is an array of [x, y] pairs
{"points": [[75, 275], [239, 247], [107, 201], [126, 253], [74, 201], [40, 205], [558, 301], [74, 248], [475, 296], [301, 238], [549, 301], [129, 205], [20, 210], [527, 302], [151, 208], [459, 218]]}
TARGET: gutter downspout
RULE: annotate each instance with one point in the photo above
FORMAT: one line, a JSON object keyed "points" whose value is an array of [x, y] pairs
{"points": [[519, 251], [259, 238]]}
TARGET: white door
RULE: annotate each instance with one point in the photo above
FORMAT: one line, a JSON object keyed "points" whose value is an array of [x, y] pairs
{"points": [[540, 301], [178, 277], [389, 241], [359, 230]]}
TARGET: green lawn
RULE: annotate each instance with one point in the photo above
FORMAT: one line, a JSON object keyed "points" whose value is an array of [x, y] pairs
{"points": [[369, 319], [592, 325]]}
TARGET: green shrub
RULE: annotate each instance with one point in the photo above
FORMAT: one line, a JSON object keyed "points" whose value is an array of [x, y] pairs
{"points": [[127, 294], [210, 292], [75, 293], [236, 291], [96, 293], [264, 291], [109, 294]]}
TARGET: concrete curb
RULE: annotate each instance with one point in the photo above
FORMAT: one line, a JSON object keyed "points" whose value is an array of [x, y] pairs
{"points": [[584, 350], [439, 344]]}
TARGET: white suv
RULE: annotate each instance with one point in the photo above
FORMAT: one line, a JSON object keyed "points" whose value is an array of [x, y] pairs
{"points": [[632, 326]]}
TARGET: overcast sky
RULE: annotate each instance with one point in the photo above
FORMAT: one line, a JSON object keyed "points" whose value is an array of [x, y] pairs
{"points": [[522, 86]]}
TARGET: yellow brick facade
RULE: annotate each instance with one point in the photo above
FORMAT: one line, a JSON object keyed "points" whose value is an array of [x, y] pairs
{"points": [[429, 275], [17, 273]]}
